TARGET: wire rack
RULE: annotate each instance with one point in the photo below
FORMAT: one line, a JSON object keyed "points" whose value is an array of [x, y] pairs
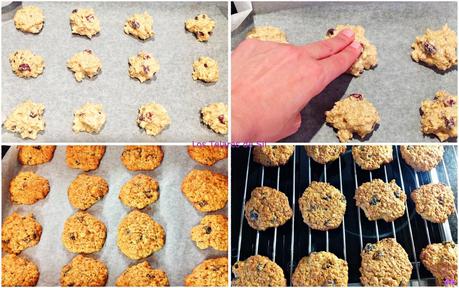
{"points": [[287, 244]]}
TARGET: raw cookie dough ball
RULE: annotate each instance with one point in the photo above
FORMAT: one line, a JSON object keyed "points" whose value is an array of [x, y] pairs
{"points": [[86, 190], [28, 188], [205, 69], [138, 158], [207, 155], [140, 26], [139, 192], [26, 120], [436, 48], [273, 155], [209, 273], [441, 260], [35, 155], [83, 233], [89, 118], [86, 158], [212, 231], [258, 271], [29, 19], [371, 157], [143, 66], [434, 202], [84, 271], [385, 264], [142, 275], [422, 157], [353, 114], [25, 64], [439, 116], [84, 64], [84, 22], [267, 33], [215, 116], [324, 154], [153, 118], [202, 26], [20, 232], [18, 272]]}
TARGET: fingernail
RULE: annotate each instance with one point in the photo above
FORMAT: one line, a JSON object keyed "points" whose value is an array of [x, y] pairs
{"points": [[348, 32], [356, 45]]}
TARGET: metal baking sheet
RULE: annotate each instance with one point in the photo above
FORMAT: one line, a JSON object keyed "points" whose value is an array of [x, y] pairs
{"points": [[178, 256], [396, 86], [121, 96]]}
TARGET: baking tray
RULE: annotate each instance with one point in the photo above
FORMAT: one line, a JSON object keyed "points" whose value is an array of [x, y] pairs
{"points": [[178, 256], [396, 86], [121, 96]]}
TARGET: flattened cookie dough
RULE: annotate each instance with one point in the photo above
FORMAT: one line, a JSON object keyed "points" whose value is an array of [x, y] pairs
{"points": [[371, 157], [139, 235], [207, 155], [143, 66], [439, 116], [29, 19], [86, 158], [28, 188], [209, 273], [273, 155], [267, 33], [139, 192], [25, 64], [153, 118], [321, 269], [26, 119], [84, 22], [142, 275], [205, 69], [35, 155], [85, 190], [20, 232], [89, 118], [353, 114], [385, 264], [84, 271], [441, 260], [140, 26], [267, 208], [207, 191], [83, 233], [138, 158], [215, 116], [202, 26], [258, 271], [422, 157], [324, 154], [434, 202], [84, 64], [212, 231], [18, 272], [436, 48]]}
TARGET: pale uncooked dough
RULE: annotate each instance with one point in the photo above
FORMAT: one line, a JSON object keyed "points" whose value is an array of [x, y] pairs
{"points": [[89, 118], [84, 64], [215, 116], [29, 19], [267, 33], [153, 118], [140, 26], [202, 26], [439, 116], [25, 64], [26, 120], [84, 22], [205, 69], [143, 66]]}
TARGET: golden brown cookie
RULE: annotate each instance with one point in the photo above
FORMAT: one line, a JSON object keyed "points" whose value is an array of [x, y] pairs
{"points": [[212, 231], [441, 260], [273, 155], [137, 158], [258, 271], [18, 272], [28, 188], [434, 202], [86, 190], [35, 155], [324, 154], [207, 191], [371, 157], [84, 271], [142, 275], [86, 158], [83, 233], [139, 192], [422, 157], [439, 116], [207, 155], [209, 273], [20, 232]]}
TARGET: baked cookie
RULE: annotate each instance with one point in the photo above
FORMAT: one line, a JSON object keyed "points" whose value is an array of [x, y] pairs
{"points": [[153, 118], [205, 69], [35, 155], [439, 116], [28, 188], [322, 206], [385, 264], [202, 26], [89, 118], [142, 275], [86, 158], [381, 200], [84, 64], [441, 260], [139, 235], [140, 26], [273, 155], [212, 231], [372, 157], [434, 202], [320, 269], [207, 191], [139, 192], [29, 19], [20, 232], [215, 116], [143, 66], [84, 22], [267, 208], [207, 155], [369, 57], [26, 120], [209, 273], [18, 272], [258, 271], [86, 190], [422, 157], [83, 233], [267, 33], [353, 114], [25, 64], [84, 271], [137, 158], [436, 48], [324, 154]]}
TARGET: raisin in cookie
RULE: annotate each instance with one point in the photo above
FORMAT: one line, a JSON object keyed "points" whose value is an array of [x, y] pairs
{"points": [[205, 69], [142, 275], [434, 202], [258, 271], [441, 260], [20, 232], [273, 155], [201, 26], [137, 158], [29, 19], [212, 231], [140, 26], [83, 233], [86, 190], [385, 264], [86, 158], [215, 116], [25, 64], [84, 22], [422, 157], [322, 206], [267, 33], [153, 118], [35, 155], [89, 118], [18, 272], [381, 200], [84, 271], [143, 66], [28, 188], [439, 116], [371, 157], [207, 191], [139, 192], [209, 273], [207, 155], [320, 269], [324, 154], [26, 119]]}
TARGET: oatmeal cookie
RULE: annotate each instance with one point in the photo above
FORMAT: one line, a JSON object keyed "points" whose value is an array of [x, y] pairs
{"points": [[207, 155], [86, 158], [258, 271], [35, 155], [441, 260], [89, 118], [267, 33], [201, 26], [215, 116], [439, 116], [18, 272], [205, 69], [29, 19], [86, 190], [324, 154], [142, 275], [139, 192], [84, 271], [84, 64], [84, 22], [434, 202], [212, 231], [273, 155], [83, 233], [27, 119], [138, 158], [372, 157], [28, 188], [153, 118], [25, 64], [422, 157], [140, 26], [143, 66], [20, 232], [209, 273]]}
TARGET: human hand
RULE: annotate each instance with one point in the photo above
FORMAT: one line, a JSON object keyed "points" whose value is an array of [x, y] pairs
{"points": [[273, 82]]}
